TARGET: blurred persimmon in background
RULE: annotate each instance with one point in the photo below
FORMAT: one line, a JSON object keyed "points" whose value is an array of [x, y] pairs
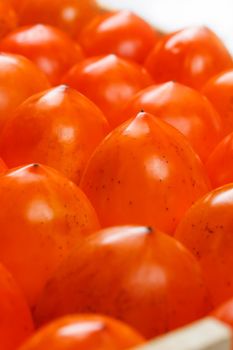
{"points": [[49, 48], [68, 15], [122, 33], [190, 56]]}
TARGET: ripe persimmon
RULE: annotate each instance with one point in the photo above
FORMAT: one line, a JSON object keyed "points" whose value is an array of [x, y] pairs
{"points": [[145, 172], [59, 127], [84, 332], [109, 81], [190, 56], [135, 274], [43, 215]]}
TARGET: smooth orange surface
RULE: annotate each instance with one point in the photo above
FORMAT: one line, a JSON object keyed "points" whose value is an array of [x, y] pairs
{"points": [[224, 313], [185, 109], [144, 173], [15, 322], [43, 216], [109, 81], [219, 91], [122, 33], [68, 15], [190, 56], [84, 332], [8, 18], [220, 163], [59, 127], [19, 79], [206, 230], [48, 47], [3, 166], [136, 274]]}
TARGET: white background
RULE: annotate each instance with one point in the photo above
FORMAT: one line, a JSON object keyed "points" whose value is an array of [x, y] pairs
{"points": [[174, 14]]}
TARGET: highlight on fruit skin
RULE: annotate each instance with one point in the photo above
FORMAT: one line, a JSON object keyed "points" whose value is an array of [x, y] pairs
{"points": [[84, 332], [127, 272]]}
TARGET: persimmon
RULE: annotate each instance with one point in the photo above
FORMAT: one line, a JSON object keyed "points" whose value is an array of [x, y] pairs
{"points": [[185, 109], [19, 79], [109, 81], [48, 47], [84, 332], [16, 322], [206, 230], [68, 15], [190, 56], [43, 215], [219, 165], [219, 90], [122, 33], [59, 127], [135, 274], [145, 172]]}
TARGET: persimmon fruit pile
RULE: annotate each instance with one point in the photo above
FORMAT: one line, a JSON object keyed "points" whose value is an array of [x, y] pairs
{"points": [[116, 177]]}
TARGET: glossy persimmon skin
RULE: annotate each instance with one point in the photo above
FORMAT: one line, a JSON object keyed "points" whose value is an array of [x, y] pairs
{"points": [[68, 15], [16, 322], [219, 165], [128, 273], [19, 79], [190, 56], [122, 33], [84, 332], [109, 81], [206, 230], [185, 109], [3, 166], [59, 127], [48, 47], [43, 215], [224, 313], [8, 18], [144, 173], [219, 90]]}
